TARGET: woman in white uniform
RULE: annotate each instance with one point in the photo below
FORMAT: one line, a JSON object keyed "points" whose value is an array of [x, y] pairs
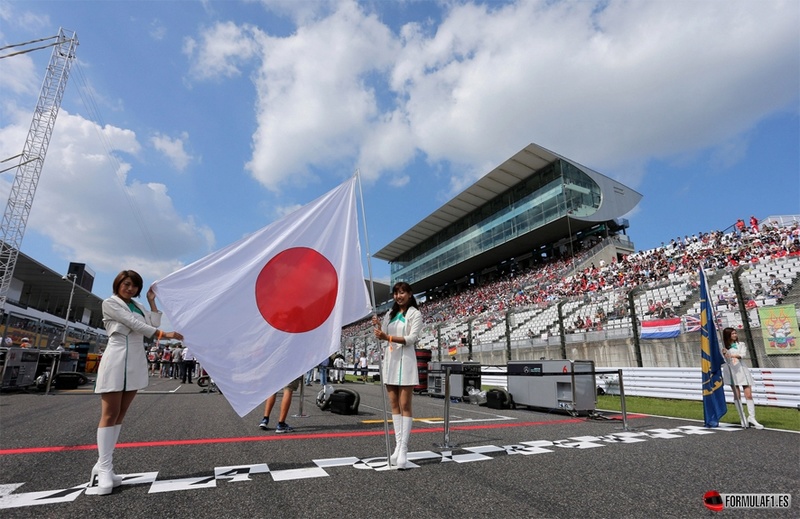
{"points": [[401, 326], [736, 373], [123, 367]]}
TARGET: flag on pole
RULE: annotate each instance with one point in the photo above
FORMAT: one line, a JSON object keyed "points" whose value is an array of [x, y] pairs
{"points": [[264, 310], [692, 323], [711, 361], [661, 328]]}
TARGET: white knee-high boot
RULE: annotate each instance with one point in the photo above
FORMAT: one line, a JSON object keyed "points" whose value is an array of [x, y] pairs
{"points": [[402, 454], [751, 411], [117, 480], [103, 471], [397, 423]]}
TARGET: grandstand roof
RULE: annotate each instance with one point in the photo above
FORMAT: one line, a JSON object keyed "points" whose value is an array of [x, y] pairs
{"points": [[522, 165], [516, 169], [48, 291]]}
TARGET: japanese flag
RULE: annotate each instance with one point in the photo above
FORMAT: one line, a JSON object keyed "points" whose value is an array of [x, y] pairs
{"points": [[264, 310]]}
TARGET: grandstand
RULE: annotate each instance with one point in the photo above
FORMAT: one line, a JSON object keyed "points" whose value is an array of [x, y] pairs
{"points": [[672, 295]]}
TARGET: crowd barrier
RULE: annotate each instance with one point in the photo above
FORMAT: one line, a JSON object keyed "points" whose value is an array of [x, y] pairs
{"points": [[778, 387]]}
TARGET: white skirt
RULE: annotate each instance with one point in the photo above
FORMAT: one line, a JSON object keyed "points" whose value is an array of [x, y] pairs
{"points": [[123, 366], [741, 375], [400, 366]]}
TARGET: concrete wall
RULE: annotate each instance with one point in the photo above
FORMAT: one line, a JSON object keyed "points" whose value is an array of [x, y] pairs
{"points": [[682, 351]]}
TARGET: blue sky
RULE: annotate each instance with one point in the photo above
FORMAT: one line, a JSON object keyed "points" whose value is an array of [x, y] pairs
{"points": [[187, 125]]}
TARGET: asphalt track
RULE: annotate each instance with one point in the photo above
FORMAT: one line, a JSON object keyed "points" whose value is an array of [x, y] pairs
{"points": [[187, 454]]}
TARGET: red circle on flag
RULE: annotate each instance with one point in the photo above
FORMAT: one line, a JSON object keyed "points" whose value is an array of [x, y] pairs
{"points": [[296, 290]]}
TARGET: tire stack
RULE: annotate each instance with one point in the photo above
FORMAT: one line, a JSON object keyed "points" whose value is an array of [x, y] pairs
{"points": [[423, 358]]}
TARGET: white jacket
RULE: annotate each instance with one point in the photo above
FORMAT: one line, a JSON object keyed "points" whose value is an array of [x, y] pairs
{"points": [[123, 366], [400, 360]]}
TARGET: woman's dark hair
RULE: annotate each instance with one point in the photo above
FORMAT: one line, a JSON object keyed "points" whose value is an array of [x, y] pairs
{"points": [[726, 337], [125, 274], [405, 287]]}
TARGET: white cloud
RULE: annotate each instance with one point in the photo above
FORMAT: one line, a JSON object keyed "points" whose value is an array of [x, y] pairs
{"points": [[173, 149], [636, 80], [315, 105], [18, 74], [221, 51], [388, 146], [610, 84], [24, 19], [88, 205], [300, 12], [157, 30], [284, 210]]}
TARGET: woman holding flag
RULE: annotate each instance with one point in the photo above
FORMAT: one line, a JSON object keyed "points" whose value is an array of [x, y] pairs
{"points": [[123, 368], [401, 326], [736, 373]]}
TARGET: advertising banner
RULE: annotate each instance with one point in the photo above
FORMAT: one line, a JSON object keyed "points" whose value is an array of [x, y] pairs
{"points": [[779, 324]]}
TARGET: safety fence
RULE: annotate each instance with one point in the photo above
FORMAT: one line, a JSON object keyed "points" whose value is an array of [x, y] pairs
{"points": [[778, 387]]}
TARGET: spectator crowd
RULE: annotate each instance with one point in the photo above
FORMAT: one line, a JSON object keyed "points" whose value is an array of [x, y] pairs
{"points": [[551, 281]]}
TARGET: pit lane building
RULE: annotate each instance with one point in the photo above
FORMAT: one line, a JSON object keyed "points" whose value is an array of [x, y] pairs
{"points": [[42, 301]]}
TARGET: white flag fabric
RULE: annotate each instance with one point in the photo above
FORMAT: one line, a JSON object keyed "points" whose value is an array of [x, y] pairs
{"points": [[264, 310]]}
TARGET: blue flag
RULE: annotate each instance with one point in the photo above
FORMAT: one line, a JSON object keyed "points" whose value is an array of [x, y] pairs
{"points": [[711, 362]]}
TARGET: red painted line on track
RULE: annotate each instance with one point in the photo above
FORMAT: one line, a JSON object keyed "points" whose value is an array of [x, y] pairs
{"points": [[288, 436]]}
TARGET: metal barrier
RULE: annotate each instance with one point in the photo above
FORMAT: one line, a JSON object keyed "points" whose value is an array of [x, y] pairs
{"points": [[778, 387]]}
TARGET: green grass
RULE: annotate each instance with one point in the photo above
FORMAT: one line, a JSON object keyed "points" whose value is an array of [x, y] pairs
{"points": [[772, 417]]}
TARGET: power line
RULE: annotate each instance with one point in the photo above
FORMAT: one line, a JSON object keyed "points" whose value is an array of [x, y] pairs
{"points": [[15, 45]]}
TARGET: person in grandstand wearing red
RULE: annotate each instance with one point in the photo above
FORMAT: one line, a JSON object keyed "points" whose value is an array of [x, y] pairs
{"points": [[754, 223]]}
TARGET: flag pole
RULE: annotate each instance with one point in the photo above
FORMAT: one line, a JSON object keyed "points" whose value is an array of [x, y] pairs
{"points": [[375, 313], [366, 242], [737, 403]]}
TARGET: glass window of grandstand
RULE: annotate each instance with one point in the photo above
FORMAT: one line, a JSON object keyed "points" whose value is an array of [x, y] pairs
{"points": [[538, 200]]}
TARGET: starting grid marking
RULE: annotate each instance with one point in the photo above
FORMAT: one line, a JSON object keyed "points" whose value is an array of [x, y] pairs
{"points": [[439, 420], [317, 468]]}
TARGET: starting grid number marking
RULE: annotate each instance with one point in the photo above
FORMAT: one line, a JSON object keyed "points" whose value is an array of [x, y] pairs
{"points": [[317, 468]]}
